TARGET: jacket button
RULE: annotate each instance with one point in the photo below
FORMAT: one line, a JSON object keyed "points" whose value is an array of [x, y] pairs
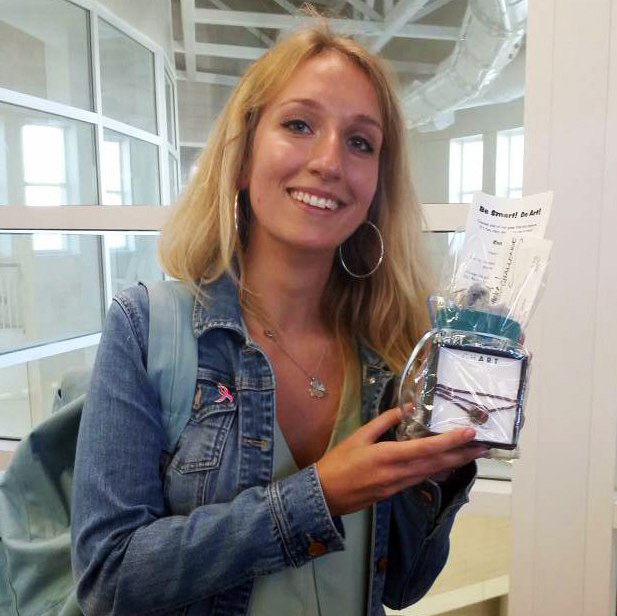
{"points": [[382, 564], [427, 496], [317, 548]]}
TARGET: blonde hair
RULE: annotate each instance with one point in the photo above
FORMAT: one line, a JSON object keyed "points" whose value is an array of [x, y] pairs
{"points": [[200, 241]]}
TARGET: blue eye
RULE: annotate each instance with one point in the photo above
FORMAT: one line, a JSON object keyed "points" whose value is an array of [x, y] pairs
{"points": [[362, 144], [297, 126]]}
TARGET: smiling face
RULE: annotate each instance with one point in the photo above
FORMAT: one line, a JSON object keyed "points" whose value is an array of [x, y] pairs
{"points": [[315, 157]]}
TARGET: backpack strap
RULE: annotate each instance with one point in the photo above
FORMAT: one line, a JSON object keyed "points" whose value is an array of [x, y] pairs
{"points": [[172, 354]]}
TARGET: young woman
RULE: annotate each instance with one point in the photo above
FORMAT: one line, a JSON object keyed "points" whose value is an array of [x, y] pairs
{"points": [[300, 236]]}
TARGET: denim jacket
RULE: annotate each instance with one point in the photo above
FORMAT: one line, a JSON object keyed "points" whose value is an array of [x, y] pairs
{"points": [[186, 532]]}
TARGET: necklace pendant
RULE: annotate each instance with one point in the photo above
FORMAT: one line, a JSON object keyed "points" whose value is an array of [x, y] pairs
{"points": [[317, 389]]}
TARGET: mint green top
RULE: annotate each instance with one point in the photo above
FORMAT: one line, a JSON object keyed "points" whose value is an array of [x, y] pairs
{"points": [[331, 585]]}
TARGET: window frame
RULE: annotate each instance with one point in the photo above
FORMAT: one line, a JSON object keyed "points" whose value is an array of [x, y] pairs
{"points": [[97, 219]]}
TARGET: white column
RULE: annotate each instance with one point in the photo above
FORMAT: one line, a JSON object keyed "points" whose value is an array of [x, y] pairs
{"points": [[562, 501]]}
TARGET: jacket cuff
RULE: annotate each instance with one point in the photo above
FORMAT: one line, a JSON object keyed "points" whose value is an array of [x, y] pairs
{"points": [[444, 499], [302, 517]]}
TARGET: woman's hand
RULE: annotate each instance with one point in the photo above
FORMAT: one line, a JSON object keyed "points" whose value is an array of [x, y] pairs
{"points": [[360, 471]]}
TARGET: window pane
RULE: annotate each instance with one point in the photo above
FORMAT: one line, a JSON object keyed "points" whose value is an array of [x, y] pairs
{"points": [[130, 171], [455, 171], [28, 390], [48, 295], [45, 195], [48, 241], [502, 165], [132, 258], [112, 163], [516, 160], [43, 154], [472, 166], [15, 419], [509, 163], [169, 106], [173, 178], [45, 50], [465, 168], [188, 163], [127, 79], [50, 159], [112, 198]]}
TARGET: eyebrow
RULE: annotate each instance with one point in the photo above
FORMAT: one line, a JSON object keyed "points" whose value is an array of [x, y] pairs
{"points": [[359, 117]]}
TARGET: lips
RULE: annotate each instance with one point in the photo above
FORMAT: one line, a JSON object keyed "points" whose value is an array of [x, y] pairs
{"points": [[313, 199]]}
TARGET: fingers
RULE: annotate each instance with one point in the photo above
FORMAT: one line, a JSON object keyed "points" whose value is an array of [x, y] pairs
{"points": [[418, 471], [426, 467], [370, 432], [429, 446]]}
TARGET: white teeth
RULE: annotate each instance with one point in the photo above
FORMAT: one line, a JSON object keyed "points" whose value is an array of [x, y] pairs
{"points": [[320, 202]]}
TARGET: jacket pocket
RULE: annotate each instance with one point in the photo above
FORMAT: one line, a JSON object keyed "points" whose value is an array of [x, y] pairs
{"points": [[202, 442], [192, 474]]}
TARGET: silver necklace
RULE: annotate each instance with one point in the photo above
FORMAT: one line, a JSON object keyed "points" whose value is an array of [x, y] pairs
{"points": [[316, 387]]}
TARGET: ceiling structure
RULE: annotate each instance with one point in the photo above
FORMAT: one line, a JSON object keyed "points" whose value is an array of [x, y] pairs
{"points": [[450, 50]]}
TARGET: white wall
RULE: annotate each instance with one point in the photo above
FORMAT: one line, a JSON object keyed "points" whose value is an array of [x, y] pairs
{"points": [[430, 151], [562, 499], [150, 17], [199, 105]]}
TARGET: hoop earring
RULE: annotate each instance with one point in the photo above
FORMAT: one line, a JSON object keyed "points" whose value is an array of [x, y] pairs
{"points": [[236, 217], [381, 254]]}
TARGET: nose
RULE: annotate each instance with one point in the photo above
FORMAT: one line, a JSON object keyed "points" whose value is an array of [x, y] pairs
{"points": [[327, 157]]}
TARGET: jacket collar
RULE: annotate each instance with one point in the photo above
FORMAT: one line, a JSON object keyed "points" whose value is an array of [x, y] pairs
{"points": [[370, 358], [217, 304]]}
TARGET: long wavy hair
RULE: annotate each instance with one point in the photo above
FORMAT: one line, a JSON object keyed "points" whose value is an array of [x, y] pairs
{"points": [[200, 242]]}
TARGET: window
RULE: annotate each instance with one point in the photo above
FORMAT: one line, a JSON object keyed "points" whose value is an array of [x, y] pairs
{"points": [[131, 258], [169, 111], [45, 50], [466, 160], [130, 170], [509, 163], [45, 159], [86, 133], [127, 79], [173, 178], [44, 164], [188, 163], [115, 160]]}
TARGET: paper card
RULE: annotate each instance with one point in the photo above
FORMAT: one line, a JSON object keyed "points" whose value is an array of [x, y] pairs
{"points": [[504, 250], [477, 390], [493, 223], [527, 216]]}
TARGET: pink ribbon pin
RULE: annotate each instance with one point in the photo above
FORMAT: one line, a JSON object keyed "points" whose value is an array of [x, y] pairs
{"points": [[224, 394]]}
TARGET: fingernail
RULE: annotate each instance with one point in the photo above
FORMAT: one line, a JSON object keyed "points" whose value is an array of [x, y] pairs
{"points": [[469, 433]]}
